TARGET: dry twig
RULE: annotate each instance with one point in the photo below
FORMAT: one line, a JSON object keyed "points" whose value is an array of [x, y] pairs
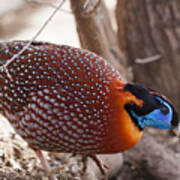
{"points": [[148, 59]]}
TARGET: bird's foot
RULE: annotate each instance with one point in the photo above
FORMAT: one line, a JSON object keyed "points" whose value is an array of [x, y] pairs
{"points": [[98, 162], [44, 164]]}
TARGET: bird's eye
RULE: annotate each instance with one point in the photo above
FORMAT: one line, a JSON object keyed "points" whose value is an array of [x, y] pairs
{"points": [[164, 110]]}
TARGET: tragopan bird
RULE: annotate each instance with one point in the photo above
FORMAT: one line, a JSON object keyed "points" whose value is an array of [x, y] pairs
{"points": [[65, 99]]}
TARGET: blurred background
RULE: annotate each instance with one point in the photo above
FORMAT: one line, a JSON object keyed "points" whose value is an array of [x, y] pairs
{"points": [[21, 19]]}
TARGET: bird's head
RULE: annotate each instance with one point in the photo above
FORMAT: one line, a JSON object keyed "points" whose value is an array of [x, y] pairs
{"points": [[155, 110]]}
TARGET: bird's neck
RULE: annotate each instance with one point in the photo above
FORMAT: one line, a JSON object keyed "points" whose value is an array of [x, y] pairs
{"points": [[124, 132]]}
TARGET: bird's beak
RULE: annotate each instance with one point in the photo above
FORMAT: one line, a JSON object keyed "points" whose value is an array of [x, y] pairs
{"points": [[176, 130]]}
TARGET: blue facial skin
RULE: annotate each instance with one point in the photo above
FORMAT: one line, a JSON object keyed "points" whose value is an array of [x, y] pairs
{"points": [[156, 118]]}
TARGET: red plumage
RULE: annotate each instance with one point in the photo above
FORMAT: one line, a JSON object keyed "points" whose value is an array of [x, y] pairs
{"points": [[59, 98]]}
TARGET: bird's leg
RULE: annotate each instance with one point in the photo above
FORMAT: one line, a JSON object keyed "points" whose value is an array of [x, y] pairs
{"points": [[84, 161], [44, 163], [99, 164], [97, 161]]}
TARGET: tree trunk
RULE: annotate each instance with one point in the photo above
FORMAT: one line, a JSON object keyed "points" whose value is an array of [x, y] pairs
{"points": [[96, 34], [147, 28]]}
